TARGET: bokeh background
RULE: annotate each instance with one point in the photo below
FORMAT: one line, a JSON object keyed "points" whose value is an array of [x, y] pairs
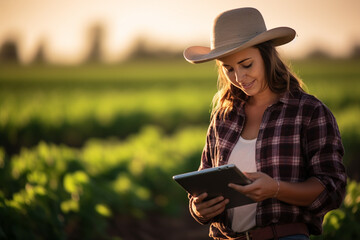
{"points": [[98, 110]]}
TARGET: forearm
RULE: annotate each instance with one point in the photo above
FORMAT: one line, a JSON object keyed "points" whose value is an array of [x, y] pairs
{"points": [[300, 194]]}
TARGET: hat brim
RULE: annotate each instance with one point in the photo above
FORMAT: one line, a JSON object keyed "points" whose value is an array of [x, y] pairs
{"points": [[199, 54]]}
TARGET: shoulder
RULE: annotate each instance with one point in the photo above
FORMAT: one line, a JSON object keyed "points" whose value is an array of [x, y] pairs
{"points": [[300, 98], [223, 123], [221, 117], [314, 105], [310, 100], [306, 108], [307, 103], [315, 114]]}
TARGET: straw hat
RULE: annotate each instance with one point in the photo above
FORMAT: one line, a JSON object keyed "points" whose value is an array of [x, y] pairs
{"points": [[236, 30]]}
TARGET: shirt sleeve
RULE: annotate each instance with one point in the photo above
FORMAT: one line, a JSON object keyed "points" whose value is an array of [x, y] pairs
{"points": [[324, 153], [205, 163]]}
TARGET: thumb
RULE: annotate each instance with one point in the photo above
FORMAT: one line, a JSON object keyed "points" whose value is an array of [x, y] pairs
{"points": [[252, 175]]}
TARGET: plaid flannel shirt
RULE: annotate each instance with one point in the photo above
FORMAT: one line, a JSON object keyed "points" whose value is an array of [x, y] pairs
{"points": [[298, 139]]}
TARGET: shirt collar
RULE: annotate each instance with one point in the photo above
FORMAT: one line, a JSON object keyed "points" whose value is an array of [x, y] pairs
{"points": [[291, 97]]}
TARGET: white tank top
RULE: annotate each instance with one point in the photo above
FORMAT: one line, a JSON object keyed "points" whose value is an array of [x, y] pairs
{"points": [[243, 218]]}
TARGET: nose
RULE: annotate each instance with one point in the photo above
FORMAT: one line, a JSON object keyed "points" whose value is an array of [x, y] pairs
{"points": [[240, 75]]}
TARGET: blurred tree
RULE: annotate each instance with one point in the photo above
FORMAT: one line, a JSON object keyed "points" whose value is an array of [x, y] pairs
{"points": [[355, 54], [96, 38], [318, 54], [9, 52], [141, 49], [40, 55], [144, 49]]}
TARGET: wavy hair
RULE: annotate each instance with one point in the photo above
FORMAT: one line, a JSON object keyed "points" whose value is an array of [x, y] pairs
{"points": [[278, 76]]}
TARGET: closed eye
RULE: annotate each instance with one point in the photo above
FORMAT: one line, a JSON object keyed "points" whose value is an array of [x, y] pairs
{"points": [[248, 66]]}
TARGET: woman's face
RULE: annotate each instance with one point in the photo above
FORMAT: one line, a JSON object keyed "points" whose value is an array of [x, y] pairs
{"points": [[245, 70]]}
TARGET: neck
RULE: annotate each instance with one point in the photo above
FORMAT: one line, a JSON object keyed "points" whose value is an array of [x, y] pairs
{"points": [[264, 98]]}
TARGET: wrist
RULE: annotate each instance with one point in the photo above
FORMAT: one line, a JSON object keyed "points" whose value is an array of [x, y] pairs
{"points": [[277, 189]]}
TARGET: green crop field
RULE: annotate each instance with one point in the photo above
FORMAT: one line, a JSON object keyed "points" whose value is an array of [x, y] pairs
{"points": [[87, 150]]}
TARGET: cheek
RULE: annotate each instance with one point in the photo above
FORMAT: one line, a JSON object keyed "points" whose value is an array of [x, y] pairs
{"points": [[259, 74], [263, 79]]}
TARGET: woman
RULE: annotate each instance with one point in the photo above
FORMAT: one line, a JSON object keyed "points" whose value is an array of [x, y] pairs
{"points": [[286, 141]]}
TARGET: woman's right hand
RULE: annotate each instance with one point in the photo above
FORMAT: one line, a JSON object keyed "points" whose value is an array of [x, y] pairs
{"points": [[206, 210]]}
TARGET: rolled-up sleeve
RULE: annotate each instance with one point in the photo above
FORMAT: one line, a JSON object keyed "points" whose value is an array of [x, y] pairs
{"points": [[324, 153], [205, 163]]}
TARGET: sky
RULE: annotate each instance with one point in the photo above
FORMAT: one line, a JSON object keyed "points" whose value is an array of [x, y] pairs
{"points": [[331, 25]]}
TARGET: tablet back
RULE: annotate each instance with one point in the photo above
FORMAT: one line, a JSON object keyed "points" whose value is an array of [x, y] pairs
{"points": [[215, 182]]}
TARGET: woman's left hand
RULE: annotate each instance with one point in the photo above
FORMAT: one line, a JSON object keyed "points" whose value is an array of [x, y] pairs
{"points": [[262, 187]]}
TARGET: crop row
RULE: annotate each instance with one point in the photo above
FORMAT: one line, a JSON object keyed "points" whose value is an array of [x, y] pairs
{"points": [[78, 116], [46, 190], [72, 116], [57, 192]]}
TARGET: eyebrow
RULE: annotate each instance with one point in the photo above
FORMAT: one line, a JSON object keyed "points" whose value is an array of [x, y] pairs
{"points": [[225, 65], [243, 60]]}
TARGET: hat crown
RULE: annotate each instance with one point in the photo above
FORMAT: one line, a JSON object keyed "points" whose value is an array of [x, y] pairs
{"points": [[236, 27]]}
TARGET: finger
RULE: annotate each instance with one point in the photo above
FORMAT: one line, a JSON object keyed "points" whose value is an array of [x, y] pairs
{"points": [[211, 202], [237, 187], [252, 175], [214, 214], [246, 189], [200, 198], [215, 210]]}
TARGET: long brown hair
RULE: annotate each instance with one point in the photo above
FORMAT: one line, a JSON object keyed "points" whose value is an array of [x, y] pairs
{"points": [[278, 76]]}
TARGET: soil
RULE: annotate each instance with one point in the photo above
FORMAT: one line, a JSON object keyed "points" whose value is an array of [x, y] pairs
{"points": [[158, 227]]}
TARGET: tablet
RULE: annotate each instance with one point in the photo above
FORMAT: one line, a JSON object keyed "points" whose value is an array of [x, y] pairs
{"points": [[215, 182]]}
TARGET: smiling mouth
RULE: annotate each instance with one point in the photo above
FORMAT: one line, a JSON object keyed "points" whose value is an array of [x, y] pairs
{"points": [[248, 85]]}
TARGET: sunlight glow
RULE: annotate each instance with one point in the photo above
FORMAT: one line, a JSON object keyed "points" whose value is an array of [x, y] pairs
{"points": [[62, 26]]}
